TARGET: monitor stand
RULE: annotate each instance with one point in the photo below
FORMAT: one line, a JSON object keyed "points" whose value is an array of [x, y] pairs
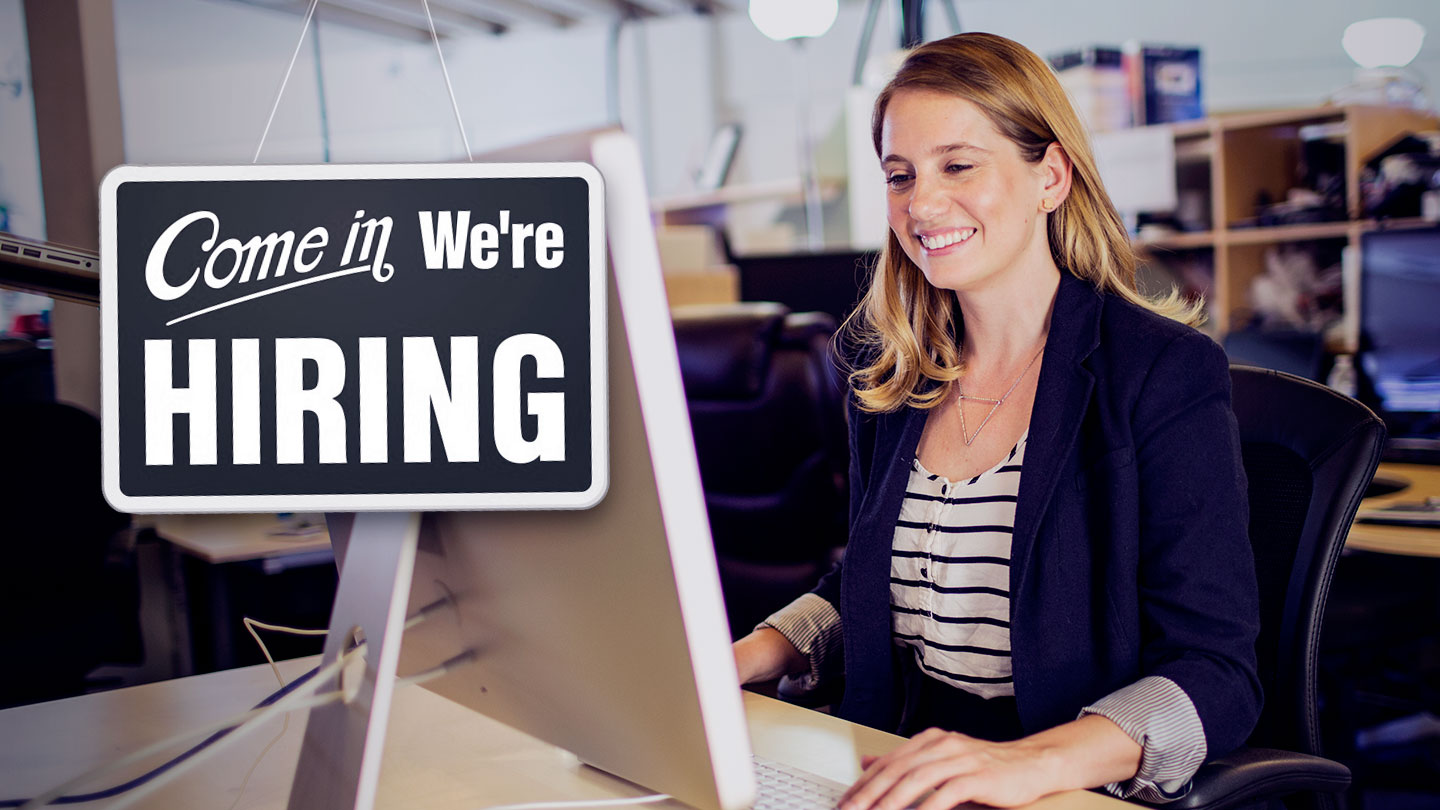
{"points": [[339, 765]]}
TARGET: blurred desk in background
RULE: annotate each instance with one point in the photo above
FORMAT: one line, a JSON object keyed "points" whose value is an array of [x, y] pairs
{"points": [[226, 567], [1414, 541]]}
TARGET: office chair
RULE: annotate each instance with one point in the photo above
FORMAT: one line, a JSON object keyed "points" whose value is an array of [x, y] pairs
{"points": [[767, 411], [1309, 454], [70, 601]]}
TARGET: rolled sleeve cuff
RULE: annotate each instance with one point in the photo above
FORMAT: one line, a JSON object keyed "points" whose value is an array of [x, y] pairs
{"points": [[813, 626], [1158, 715]]}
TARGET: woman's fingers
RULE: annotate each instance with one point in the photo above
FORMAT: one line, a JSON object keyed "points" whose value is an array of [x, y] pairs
{"points": [[874, 766], [953, 792], [951, 768], [895, 780]]}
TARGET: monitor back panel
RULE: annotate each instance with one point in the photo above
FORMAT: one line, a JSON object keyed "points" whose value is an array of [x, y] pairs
{"points": [[602, 631]]}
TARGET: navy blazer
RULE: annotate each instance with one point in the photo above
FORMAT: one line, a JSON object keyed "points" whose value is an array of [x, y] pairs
{"points": [[1130, 555]]}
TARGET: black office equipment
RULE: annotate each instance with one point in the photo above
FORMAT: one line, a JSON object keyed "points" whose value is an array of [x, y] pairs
{"points": [[767, 407], [807, 282], [43, 268], [71, 601], [1400, 339], [1306, 478]]}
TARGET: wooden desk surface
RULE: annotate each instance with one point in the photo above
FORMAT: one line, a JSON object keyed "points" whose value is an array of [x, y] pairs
{"points": [[1413, 541], [438, 754], [236, 538]]}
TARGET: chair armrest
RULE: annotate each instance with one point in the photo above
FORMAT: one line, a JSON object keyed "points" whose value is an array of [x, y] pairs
{"points": [[1248, 775]]}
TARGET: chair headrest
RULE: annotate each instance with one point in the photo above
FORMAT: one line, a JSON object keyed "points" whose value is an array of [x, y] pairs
{"points": [[725, 350]]}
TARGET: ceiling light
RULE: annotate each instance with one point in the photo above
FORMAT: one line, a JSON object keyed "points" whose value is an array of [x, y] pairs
{"points": [[792, 19], [1381, 42]]}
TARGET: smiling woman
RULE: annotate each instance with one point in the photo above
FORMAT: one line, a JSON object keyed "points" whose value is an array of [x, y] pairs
{"points": [[1048, 581]]}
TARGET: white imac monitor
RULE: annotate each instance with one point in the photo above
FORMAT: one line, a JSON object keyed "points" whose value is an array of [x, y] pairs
{"points": [[601, 631]]}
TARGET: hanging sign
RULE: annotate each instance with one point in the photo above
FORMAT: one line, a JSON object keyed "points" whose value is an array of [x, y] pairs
{"points": [[353, 338]]}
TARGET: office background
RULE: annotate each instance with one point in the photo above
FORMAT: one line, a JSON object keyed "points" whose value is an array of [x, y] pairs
{"points": [[196, 80]]}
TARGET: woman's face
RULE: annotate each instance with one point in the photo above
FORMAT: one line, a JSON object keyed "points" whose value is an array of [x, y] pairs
{"points": [[963, 203]]}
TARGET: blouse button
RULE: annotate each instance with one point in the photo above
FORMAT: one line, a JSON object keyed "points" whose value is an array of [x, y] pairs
{"points": [[924, 572]]}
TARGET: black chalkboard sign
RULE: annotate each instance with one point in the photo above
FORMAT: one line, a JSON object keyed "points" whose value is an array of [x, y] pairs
{"points": [[357, 338]]}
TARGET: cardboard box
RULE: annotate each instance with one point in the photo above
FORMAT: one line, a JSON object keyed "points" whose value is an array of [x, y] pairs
{"points": [[687, 248], [1098, 86], [716, 285]]}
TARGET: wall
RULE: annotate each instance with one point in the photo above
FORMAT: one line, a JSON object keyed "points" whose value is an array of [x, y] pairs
{"points": [[198, 77]]}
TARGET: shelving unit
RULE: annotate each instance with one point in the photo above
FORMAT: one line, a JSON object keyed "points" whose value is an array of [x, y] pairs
{"points": [[1236, 159]]}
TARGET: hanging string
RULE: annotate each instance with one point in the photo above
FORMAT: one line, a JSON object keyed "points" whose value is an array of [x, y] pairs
{"points": [[448, 88], [310, 12]]}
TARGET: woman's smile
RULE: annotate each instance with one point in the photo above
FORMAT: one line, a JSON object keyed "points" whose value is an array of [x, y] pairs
{"points": [[937, 242]]}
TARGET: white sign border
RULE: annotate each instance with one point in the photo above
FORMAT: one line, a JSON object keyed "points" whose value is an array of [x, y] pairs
{"points": [[366, 502]]}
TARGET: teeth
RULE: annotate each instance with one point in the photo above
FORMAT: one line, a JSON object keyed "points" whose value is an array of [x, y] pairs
{"points": [[946, 239]]}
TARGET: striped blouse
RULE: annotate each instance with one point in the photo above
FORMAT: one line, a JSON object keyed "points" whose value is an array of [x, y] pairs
{"points": [[950, 575], [950, 606]]}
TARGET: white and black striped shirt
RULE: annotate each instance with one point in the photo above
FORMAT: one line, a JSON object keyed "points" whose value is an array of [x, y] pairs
{"points": [[950, 604], [950, 575]]}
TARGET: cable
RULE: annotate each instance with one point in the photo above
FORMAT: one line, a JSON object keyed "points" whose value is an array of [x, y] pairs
{"points": [[568, 805], [443, 668], [419, 616], [454, 105], [284, 699], [281, 92], [251, 624], [145, 777]]}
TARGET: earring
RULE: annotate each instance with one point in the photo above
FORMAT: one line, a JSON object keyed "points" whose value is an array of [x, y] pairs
{"points": [[1047, 205]]}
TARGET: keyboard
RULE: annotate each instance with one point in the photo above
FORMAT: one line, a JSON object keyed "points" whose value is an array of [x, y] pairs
{"points": [[784, 787]]}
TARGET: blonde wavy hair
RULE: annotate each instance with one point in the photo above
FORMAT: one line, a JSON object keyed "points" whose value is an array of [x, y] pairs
{"points": [[904, 328]]}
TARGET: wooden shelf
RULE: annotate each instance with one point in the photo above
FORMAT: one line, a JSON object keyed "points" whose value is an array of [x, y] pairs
{"points": [[791, 188], [1403, 224], [1275, 118], [1234, 159], [1276, 234], [1178, 241]]}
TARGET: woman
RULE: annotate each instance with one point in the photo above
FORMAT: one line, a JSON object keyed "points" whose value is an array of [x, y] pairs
{"points": [[1048, 569]]}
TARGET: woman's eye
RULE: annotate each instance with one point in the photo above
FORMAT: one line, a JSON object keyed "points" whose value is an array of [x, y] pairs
{"points": [[956, 168], [897, 180]]}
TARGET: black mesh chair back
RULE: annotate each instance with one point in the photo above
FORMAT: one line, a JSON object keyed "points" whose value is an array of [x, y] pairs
{"points": [[1309, 454]]}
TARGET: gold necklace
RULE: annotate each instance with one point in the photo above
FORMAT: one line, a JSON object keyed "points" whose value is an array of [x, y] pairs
{"points": [[960, 398]]}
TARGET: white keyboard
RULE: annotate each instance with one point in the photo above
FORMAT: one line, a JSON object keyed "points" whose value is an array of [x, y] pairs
{"points": [[785, 787]]}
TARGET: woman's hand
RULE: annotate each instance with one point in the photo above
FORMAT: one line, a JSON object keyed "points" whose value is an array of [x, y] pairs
{"points": [[765, 655], [1088, 752], [956, 767]]}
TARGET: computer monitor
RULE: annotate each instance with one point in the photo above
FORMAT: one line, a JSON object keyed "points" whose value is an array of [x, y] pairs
{"points": [[1400, 338], [600, 631]]}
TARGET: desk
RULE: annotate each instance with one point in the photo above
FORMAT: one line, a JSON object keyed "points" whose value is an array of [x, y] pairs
{"points": [[241, 538], [437, 754], [230, 566], [1411, 541]]}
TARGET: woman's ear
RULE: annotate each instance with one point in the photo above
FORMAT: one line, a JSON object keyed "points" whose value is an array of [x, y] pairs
{"points": [[1056, 171]]}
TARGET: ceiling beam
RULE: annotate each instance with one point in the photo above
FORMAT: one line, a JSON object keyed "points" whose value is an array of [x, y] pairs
{"points": [[518, 10]]}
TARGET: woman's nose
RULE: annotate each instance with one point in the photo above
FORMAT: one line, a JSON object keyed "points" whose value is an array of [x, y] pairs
{"points": [[927, 201]]}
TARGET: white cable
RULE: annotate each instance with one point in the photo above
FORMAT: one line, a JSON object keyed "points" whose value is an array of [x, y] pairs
{"points": [[241, 722], [281, 92], [292, 701], [448, 88], [251, 624], [568, 805]]}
